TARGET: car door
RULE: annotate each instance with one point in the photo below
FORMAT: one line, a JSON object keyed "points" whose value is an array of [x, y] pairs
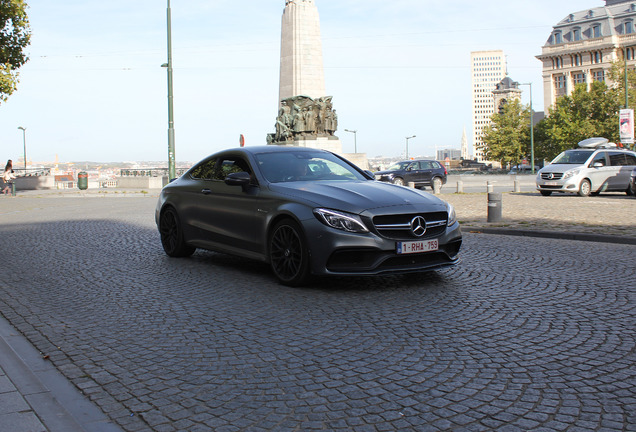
{"points": [[427, 172], [620, 172], [229, 214], [413, 173], [599, 174]]}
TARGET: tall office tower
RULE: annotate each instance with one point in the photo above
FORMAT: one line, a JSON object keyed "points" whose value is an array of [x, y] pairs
{"points": [[487, 69], [583, 46], [301, 67]]}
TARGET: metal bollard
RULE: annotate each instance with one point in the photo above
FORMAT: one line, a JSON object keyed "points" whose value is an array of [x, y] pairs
{"points": [[494, 207], [411, 185], [517, 187], [489, 187], [12, 188], [460, 187]]}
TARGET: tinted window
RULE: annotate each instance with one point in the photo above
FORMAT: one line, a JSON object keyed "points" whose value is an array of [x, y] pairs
{"points": [[600, 157], [231, 165], [204, 171], [617, 158], [572, 157], [630, 159], [305, 166], [427, 165]]}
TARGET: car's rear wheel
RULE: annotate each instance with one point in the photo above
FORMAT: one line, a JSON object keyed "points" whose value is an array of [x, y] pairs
{"points": [[398, 181], [586, 188], [437, 184], [288, 252], [172, 235], [545, 193]]}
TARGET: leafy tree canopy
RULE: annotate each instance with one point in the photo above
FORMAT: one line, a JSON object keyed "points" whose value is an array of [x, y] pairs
{"points": [[581, 115], [507, 138], [15, 36]]}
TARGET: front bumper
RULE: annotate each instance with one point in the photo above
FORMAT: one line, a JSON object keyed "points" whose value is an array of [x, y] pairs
{"points": [[335, 252], [571, 184]]}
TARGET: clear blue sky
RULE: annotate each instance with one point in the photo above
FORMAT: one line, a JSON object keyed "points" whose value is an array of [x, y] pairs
{"points": [[94, 89]]}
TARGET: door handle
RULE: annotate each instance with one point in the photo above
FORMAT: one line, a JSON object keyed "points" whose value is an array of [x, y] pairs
{"points": [[206, 191]]}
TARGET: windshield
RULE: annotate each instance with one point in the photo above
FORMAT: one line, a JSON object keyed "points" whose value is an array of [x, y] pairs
{"points": [[398, 166], [305, 166], [572, 157]]}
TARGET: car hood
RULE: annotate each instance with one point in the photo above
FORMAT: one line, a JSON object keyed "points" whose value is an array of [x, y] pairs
{"points": [[359, 196], [561, 167], [384, 172]]}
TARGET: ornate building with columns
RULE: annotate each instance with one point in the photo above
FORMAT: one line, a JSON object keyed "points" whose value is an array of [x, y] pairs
{"points": [[583, 46]]}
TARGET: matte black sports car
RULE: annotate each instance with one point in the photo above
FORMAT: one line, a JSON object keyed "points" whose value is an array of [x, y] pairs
{"points": [[305, 211]]}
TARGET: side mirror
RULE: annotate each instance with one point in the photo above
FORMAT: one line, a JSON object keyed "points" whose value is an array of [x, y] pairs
{"points": [[598, 164], [238, 179]]}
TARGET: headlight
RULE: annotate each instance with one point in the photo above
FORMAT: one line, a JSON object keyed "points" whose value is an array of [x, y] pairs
{"points": [[571, 173], [452, 216], [342, 221]]}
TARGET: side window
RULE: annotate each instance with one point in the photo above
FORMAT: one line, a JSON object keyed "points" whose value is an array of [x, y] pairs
{"points": [[617, 158], [413, 166], [630, 159], [231, 165], [204, 171], [427, 165], [600, 157]]}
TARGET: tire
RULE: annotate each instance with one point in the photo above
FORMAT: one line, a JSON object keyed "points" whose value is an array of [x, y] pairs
{"points": [[398, 181], [545, 193], [585, 189], [172, 235], [289, 254], [436, 184]]}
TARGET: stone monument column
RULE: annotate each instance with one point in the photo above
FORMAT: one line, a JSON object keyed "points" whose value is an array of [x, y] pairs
{"points": [[301, 67], [306, 116]]}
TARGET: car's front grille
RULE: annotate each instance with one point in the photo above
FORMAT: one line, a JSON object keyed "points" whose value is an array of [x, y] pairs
{"points": [[400, 227], [551, 176]]}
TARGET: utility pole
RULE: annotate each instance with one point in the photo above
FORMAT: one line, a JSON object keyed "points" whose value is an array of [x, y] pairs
{"points": [[172, 172]]}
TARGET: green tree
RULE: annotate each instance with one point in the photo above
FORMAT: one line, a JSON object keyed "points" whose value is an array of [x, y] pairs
{"points": [[507, 138], [583, 114], [15, 36]]}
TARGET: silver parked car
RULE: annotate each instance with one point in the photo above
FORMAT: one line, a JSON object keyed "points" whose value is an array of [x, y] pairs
{"points": [[305, 211], [596, 166]]}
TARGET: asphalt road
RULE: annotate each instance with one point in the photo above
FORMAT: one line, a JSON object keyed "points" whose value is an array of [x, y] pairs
{"points": [[525, 334]]}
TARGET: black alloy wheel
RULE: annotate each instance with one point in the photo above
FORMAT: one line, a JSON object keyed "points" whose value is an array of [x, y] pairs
{"points": [[289, 256], [172, 235]]}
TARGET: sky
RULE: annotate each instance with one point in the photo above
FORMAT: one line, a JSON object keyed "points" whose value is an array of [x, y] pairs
{"points": [[94, 88]]}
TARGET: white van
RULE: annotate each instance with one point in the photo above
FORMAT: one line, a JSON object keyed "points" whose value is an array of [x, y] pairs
{"points": [[596, 166]]}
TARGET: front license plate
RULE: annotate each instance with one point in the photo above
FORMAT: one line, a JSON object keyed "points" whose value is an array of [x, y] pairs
{"points": [[551, 184], [417, 247]]}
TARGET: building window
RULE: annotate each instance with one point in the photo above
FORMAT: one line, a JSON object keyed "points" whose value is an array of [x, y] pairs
{"points": [[560, 84], [558, 62], [596, 31], [578, 78], [577, 34], [558, 38], [598, 75], [597, 57], [629, 27], [577, 60]]}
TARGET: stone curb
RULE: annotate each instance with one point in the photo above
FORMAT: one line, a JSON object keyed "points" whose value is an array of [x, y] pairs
{"points": [[598, 238]]}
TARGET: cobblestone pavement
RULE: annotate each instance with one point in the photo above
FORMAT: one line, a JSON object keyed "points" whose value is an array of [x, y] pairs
{"points": [[525, 334]]}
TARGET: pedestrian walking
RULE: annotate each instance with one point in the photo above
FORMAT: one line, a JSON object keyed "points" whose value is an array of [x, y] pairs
{"points": [[8, 177]]}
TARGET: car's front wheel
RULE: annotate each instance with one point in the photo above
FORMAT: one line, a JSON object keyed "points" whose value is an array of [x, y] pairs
{"points": [[586, 188], [172, 235], [398, 181], [545, 192], [288, 252]]}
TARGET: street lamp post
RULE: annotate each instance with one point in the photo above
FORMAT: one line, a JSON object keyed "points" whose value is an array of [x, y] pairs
{"points": [[172, 173], [355, 139], [407, 145], [23, 129], [531, 128]]}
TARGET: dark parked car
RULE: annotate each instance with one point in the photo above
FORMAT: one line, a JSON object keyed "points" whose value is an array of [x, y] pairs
{"points": [[421, 172], [305, 211], [632, 183]]}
